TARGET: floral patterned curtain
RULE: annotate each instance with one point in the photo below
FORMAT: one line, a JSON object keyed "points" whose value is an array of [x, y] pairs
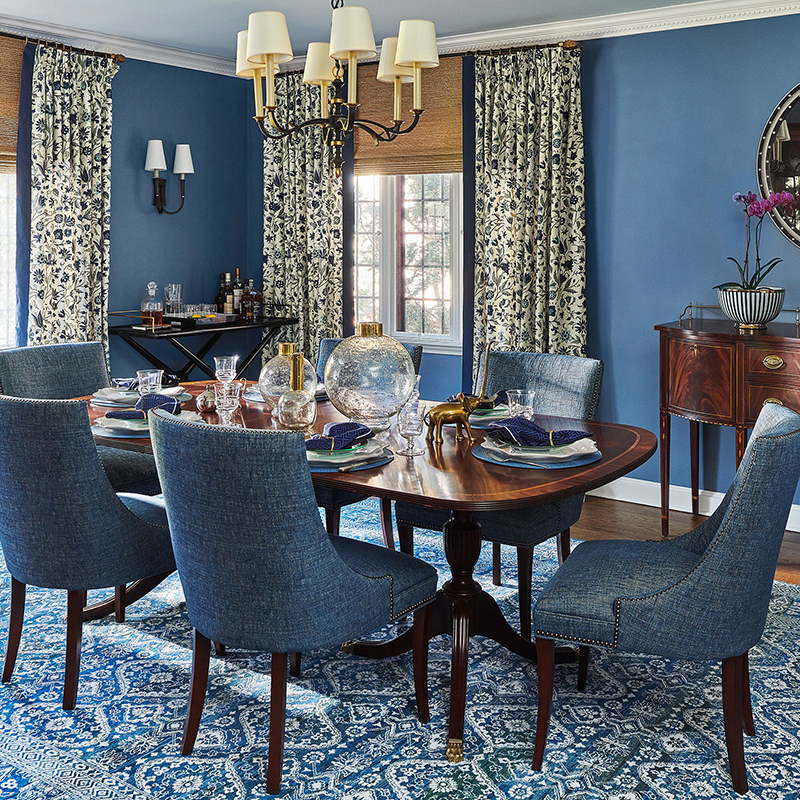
{"points": [[530, 215], [303, 223], [70, 196]]}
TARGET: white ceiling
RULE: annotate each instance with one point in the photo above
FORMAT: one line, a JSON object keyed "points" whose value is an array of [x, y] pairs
{"points": [[210, 26]]}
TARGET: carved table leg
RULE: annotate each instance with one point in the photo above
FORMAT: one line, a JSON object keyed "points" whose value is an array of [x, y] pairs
{"points": [[741, 443], [664, 444], [694, 458]]}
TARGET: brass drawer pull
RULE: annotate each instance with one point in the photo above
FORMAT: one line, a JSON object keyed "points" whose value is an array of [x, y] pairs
{"points": [[772, 400], [773, 362]]}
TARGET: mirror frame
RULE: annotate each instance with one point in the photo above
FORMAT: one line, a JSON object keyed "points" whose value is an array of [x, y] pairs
{"points": [[762, 163]]}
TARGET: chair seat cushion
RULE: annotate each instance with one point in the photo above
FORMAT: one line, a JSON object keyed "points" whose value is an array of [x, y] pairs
{"points": [[336, 498], [521, 527], [128, 471], [413, 580], [579, 601], [150, 509]]}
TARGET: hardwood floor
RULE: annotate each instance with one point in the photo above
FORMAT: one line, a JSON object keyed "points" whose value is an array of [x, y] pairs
{"points": [[612, 519]]}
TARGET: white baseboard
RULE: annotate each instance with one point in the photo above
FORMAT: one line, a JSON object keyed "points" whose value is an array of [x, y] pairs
{"points": [[648, 493]]}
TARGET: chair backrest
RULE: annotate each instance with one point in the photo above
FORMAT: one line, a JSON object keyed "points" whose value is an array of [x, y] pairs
{"points": [[728, 592], [59, 515], [565, 386], [326, 347], [53, 371], [257, 567]]}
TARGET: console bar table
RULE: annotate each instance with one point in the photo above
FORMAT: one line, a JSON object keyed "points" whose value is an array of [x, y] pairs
{"points": [[712, 372], [137, 339]]}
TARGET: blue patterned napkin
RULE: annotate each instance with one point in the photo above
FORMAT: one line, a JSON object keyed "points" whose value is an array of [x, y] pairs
{"points": [[144, 404], [526, 433], [125, 383], [500, 399], [338, 436]]}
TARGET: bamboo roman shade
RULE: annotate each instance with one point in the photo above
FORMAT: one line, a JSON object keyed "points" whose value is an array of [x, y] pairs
{"points": [[10, 74], [434, 145]]}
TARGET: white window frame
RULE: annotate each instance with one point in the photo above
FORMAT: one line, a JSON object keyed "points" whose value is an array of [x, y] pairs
{"points": [[431, 342]]}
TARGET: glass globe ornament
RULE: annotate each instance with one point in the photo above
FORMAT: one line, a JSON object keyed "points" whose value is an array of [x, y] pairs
{"points": [[275, 376], [369, 376]]}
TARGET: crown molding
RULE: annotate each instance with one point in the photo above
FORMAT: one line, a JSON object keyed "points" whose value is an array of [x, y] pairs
{"points": [[687, 15]]}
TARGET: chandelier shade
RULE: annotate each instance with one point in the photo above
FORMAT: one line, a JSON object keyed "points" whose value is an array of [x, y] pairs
{"points": [[267, 35], [351, 33], [387, 68], [319, 65]]}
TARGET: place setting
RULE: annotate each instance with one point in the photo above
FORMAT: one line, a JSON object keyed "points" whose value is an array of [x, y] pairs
{"points": [[346, 447]]}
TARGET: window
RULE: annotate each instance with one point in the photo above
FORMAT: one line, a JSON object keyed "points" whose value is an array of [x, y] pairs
{"points": [[8, 255], [407, 257]]}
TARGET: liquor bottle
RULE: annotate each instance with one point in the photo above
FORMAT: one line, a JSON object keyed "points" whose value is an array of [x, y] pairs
{"points": [[152, 307], [246, 303], [258, 308], [297, 408], [219, 299], [228, 294], [238, 288]]}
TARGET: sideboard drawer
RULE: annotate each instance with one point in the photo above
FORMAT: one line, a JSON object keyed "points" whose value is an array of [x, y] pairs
{"points": [[758, 393], [766, 359], [700, 379]]}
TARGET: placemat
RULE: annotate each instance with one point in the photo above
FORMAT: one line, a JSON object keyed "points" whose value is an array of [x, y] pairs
{"points": [[483, 454], [352, 468]]}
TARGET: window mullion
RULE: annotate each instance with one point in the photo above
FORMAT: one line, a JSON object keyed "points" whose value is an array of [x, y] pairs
{"points": [[388, 246]]}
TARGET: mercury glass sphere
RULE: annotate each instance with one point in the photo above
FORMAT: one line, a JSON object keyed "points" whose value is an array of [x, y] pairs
{"points": [[369, 376], [274, 378]]}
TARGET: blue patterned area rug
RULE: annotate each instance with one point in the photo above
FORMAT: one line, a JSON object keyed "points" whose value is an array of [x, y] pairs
{"points": [[644, 727]]}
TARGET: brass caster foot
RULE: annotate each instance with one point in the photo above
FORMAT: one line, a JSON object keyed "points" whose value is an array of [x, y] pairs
{"points": [[347, 647], [455, 751]]}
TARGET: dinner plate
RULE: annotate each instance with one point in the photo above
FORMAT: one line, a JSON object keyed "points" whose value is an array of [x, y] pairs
{"points": [[498, 412], [493, 457], [136, 425], [105, 402], [116, 433], [387, 458], [254, 396], [334, 455], [365, 450], [555, 453]]}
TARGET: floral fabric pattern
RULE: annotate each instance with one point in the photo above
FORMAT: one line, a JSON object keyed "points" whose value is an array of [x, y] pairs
{"points": [[303, 253], [530, 215], [70, 196]]}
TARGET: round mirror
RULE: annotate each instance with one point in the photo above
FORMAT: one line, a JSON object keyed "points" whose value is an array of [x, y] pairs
{"points": [[779, 161]]}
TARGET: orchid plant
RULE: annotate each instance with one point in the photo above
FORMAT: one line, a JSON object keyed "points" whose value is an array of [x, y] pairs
{"points": [[756, 207]]}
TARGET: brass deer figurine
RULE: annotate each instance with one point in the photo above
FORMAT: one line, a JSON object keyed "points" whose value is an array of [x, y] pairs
{"points": [[458, 412]]}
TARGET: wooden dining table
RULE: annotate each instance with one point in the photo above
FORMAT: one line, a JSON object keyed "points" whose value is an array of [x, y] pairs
{"points": [[448, 476]]}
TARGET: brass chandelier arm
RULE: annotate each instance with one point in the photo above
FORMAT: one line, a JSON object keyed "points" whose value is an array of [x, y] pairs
{"points": [[387, 133]]}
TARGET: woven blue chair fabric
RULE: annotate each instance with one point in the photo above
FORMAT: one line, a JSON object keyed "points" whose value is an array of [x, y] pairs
{"points": [[61, 524], [257, 568], [63, 371], [701, 596]]}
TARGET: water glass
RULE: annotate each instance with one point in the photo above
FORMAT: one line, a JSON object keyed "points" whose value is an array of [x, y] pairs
{"points": [[173, 298], [226, 397], [149, 380], [520, 403], [225, 367], [409, 426]]}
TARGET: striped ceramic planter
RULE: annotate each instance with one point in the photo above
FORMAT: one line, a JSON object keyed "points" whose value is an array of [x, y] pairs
{"points": [[751, 308]]}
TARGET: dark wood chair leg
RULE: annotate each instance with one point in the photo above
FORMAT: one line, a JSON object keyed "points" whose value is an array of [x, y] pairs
{"points": [[747, 705], [119, 602], [732, 715], [15, 619], [76, 600], [387, 526], [419, 636], [219, 649], [277, 722], [332, 517], [497, 577], [405, 535], [583, 666], [545, 652], [294, 664], [524, 578], [201, 655], [563, 545]]}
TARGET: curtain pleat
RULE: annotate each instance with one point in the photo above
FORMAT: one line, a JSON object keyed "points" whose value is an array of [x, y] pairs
{"points": [[302, 223], [70, 196], [530, 239]]}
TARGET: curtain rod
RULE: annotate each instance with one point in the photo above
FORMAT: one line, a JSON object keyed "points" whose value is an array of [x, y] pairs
{"points": [[117, 57]]}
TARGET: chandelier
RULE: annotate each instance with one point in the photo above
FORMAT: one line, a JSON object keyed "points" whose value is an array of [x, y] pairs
{"points": [[330, 65]]}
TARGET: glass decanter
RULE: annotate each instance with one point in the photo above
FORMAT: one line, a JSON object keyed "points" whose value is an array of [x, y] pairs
{"points": [[152, 306], [276, 373], [297, 408]]}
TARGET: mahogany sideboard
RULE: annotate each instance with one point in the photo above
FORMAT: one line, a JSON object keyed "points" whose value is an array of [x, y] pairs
{"points": [[709, 371]]}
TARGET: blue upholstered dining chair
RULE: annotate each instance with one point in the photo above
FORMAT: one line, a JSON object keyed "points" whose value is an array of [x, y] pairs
{"points": [[332, 500], [62, 526], [63, 371], [277, 583], [701, 597], [565, 386]]}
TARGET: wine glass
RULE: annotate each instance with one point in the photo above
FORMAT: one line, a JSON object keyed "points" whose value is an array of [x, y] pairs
{"points": [[225, 368], [409, 426]]}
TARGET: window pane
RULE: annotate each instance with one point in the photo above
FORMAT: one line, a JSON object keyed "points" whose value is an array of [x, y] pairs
{"points": [[8, 254], [367, 248]]}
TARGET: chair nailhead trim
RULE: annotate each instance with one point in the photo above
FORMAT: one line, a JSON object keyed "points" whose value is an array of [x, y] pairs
{"points": [[551, 635], [415, 607]]}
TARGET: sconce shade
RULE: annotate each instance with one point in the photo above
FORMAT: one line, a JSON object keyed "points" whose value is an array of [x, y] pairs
{"points": [[267, 34], [183, 160], [351, 32], [319, 65], [416, 44], [155, 155], [387, 69]]}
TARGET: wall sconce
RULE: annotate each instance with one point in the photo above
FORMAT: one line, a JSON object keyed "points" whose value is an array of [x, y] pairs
{"points": [[155, 161]]}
